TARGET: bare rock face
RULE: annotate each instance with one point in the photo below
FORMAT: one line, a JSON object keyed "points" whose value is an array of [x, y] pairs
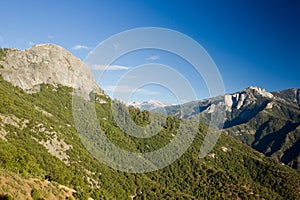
{"points": [[297, 94], [46, 63]]}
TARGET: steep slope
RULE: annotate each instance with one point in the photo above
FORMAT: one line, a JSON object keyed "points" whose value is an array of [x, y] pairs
{"points": [[14, 186], [268, 122], [39, 140], [291, 96]]}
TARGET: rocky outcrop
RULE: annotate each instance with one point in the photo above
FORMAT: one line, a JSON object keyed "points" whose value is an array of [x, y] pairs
{"points": [[298, 96], [46, 63], [259, 91], [245, 98]]}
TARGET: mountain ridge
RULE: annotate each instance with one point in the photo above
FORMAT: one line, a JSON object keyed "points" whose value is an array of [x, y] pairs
{"points": [[257, 118]]}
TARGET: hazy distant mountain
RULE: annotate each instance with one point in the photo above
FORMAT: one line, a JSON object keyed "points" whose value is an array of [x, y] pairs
{"points": [[268, 122], [39, 139], [149, 105]]}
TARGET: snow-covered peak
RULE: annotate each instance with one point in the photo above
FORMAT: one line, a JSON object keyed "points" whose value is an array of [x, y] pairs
{"points": [[157, 103], [148, 105]]}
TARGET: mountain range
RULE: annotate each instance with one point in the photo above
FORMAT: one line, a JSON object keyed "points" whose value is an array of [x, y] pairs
{"points": [[42, 151], [268, 122]]}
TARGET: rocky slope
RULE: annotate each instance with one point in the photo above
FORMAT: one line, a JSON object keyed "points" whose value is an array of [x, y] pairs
{"points": [[46, 63], [15, 186], [268, 122]]}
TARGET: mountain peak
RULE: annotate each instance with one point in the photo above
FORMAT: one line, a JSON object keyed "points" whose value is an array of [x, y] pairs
{"points": [[46, 63], [46, 45], [149, 105], [153, 101], [50, 48], [258, 90]]}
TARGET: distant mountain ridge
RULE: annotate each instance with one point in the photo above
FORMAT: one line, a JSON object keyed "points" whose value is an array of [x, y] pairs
{"points": [[290, 96], [267, 121], [149, 105]]}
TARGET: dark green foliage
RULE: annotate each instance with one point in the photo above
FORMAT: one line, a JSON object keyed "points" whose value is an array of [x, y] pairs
{"points": [[141, 118], [5, 197], [239, 173], [3, 53], [18, 160], [36, 194]]}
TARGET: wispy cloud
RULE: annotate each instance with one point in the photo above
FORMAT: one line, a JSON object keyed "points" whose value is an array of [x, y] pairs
{"points": [[128, 89], [80, 47], [116, 46], [109, 67], [154, 57], [50, 36], [31, 43]]}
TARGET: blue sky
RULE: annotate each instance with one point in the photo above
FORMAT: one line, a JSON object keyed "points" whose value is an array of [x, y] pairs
{"points": [[252, 42]]}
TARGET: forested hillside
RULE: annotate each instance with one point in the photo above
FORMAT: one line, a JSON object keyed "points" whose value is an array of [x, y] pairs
{"points": [[38, 140]]}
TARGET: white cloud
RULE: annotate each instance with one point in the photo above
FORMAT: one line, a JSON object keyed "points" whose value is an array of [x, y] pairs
{"points": [[31, 43], [154, 57], [116, 46], [50, 36], [80, 47], [110, 67], [128, 89]]}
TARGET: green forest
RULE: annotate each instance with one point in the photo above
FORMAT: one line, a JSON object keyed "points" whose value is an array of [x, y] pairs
{"points": [[232, 171]]}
